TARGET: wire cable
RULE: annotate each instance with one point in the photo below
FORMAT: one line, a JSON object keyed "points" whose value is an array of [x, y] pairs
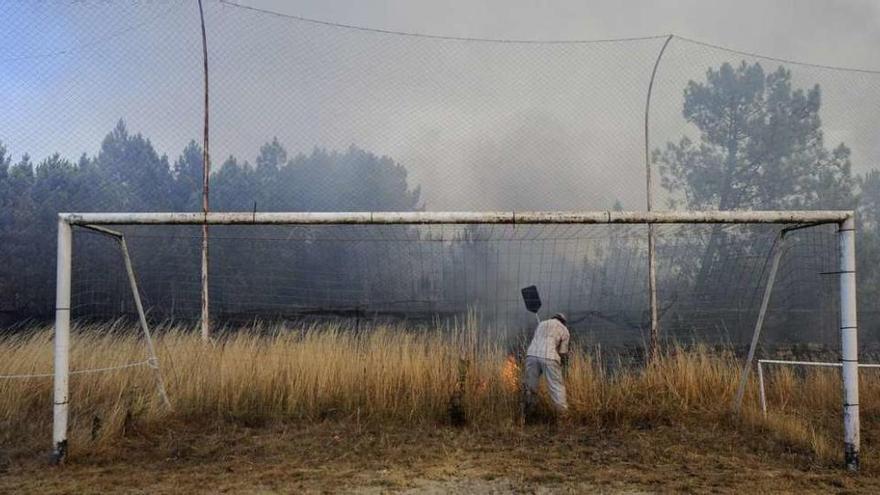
{"points": [[432, 36], [354, 27], [148, 362], [777, 59]]}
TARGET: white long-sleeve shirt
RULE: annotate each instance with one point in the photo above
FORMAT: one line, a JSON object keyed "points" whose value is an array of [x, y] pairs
{"points": [[550, 340]]}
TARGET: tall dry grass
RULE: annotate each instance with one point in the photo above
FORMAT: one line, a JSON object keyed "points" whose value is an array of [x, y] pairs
{"points": [[387, 374]]}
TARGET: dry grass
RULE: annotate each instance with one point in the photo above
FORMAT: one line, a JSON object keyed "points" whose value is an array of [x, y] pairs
{"points": [[392, 376]]}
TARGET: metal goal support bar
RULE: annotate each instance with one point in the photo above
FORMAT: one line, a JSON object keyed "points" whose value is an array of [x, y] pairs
{"points": [[819, 364]]}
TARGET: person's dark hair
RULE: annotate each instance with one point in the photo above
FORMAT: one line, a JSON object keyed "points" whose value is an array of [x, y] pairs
{"points": [[560, 317]]}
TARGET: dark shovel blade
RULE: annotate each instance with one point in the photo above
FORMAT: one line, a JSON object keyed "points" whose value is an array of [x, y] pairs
{"points": [[531, 298]]}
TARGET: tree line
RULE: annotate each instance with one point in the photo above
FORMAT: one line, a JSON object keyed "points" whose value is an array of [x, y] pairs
{"points": [[128, 174]]}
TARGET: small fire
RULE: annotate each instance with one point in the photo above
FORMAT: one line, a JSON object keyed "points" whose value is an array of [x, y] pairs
{"points": [[510, 374]]}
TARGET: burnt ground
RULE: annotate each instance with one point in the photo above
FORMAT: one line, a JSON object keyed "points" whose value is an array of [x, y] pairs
{"points": [[345, 457]]}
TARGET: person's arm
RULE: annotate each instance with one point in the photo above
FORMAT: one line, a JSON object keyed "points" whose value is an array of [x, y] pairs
{"points": [[563, 341], [563, 347]]}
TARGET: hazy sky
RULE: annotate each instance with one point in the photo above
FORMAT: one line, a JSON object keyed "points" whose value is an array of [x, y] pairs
{"points": [[479, 125], [830, 32]]}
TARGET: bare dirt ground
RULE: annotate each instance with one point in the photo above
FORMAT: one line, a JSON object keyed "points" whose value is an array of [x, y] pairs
{"points": [[343, 457]]}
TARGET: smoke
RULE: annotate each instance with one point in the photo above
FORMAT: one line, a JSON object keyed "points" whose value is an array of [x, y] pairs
{"points": [[529, 160]]}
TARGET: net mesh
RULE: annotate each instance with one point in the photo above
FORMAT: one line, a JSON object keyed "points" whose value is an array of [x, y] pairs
{"points": [[433, 276]]}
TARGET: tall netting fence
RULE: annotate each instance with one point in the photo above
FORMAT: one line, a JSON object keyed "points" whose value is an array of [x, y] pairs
{"points": [[314, 116], [440, 276]]}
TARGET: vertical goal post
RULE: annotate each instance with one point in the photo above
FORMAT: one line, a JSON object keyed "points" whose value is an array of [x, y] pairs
{"points": [[846, 273]]}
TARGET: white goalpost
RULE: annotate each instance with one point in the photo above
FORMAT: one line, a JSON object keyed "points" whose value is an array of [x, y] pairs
{"points": [[100, 221]]}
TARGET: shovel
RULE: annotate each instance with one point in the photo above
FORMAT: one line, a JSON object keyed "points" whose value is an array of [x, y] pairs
{"points": [[532, 300]]}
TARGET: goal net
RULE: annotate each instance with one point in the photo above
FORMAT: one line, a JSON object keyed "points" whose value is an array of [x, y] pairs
{"points": [[710, 278]]}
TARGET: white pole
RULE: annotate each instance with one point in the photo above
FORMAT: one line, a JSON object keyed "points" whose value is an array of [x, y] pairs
{"points": [[761, 387], [818, 364], [652, 255], [456, 217], [849, 350], [206, 179], [652, 294], [62, 342]]}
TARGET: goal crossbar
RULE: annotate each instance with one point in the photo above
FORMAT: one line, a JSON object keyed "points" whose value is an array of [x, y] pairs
{"points": [[458, 217], [846, 270]]}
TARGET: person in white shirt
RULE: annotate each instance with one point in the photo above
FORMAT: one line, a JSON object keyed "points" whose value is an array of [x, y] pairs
{"points": [[544, 357]]}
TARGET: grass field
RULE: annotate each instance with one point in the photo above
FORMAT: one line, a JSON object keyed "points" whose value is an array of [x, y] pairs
{"points": [[324, 408]]}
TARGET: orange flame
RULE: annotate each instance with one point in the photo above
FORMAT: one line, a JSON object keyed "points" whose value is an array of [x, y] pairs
{"points": [[510, 374]]}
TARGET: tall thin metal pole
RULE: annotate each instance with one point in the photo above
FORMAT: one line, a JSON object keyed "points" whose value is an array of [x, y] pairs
{"points": [[62, 342], [763, 394], [652, 257], [206, 177], [849, 349]]}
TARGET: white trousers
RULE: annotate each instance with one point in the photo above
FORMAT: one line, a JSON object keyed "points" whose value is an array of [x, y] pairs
{"points": [[535, 367]]}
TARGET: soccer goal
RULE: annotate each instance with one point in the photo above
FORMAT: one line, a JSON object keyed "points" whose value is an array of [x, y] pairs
{"points": [[715, 274]]}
